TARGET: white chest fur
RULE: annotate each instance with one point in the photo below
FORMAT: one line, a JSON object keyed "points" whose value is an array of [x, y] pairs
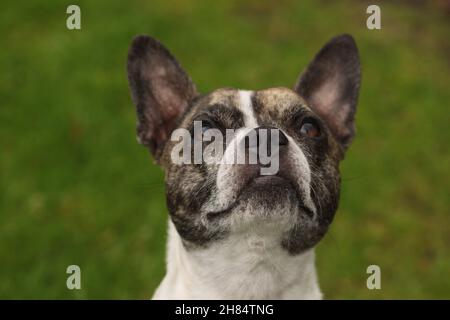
{"points": [[245, 266]]}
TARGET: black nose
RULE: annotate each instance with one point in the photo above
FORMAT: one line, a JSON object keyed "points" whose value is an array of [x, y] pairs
{"points": [[263, 135]]}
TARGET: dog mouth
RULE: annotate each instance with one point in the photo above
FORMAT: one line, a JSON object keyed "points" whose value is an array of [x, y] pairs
{"points": [[271, 180], [268, 188]]}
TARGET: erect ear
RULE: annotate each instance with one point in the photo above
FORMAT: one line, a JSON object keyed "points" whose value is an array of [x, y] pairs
{"points": [[160, 89], [330, 85]]}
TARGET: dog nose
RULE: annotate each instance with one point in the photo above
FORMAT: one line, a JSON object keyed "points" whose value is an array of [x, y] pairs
{"points": [[282, 139]]}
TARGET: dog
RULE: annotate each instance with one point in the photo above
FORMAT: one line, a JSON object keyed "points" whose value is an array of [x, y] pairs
{"points": [[234, 233]]}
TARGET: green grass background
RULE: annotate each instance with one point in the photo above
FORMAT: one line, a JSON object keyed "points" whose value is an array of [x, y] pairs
{"points": [[76, 188]]}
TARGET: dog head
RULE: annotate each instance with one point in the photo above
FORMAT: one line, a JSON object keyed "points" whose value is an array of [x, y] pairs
{"points": [[314, 125]]}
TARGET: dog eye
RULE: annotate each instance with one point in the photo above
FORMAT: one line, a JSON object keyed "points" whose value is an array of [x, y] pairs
{"points": [[310, 128]]}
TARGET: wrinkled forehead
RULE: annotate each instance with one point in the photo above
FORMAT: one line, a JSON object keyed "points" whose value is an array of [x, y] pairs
{"points": [[253, 107]]}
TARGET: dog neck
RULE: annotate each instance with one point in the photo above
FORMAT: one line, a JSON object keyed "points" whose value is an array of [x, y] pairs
{"points": [[241, 267]]}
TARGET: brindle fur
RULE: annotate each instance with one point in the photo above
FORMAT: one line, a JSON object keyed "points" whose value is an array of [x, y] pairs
{"points": [[167, 99]]}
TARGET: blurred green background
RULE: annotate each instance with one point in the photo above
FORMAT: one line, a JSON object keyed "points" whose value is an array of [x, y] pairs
{"points": [[76, 188]]}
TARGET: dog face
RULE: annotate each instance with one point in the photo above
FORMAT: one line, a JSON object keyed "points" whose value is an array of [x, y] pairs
{"points": [[209, 202]]}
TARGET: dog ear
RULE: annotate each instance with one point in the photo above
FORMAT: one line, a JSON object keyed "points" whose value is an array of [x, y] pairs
{"points": [[330, 85], [161, 91]]}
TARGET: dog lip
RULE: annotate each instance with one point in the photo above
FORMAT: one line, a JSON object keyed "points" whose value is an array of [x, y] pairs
{"points": [[212, 215], [270, 179], [307, 211]]}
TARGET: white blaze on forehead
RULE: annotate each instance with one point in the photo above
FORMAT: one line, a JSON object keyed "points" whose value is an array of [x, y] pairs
{"points": [[246, 107], [228, 176]]}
